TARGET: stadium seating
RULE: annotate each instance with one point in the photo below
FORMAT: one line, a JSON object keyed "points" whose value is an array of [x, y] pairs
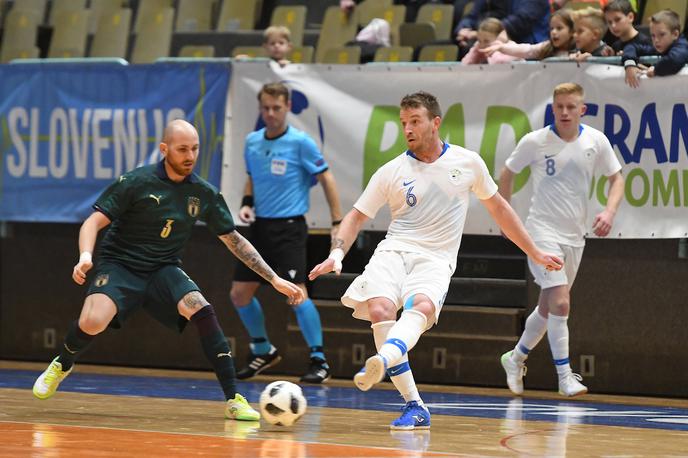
{"points": [[342, 55], [440, 16], [19, 35], [394, 54], [292, 17], [154, 36], [112, 35], [194, 15], [69, 33]]}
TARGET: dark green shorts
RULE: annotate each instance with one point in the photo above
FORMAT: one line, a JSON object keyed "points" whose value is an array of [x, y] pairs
{"points": [[157, 292]]}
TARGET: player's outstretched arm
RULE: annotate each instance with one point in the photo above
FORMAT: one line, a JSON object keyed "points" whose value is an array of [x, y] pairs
{"points": [[513, 228], [87, 241], [248, 254], [329, 185], [506, 180], [604, 220], [348, 230]]}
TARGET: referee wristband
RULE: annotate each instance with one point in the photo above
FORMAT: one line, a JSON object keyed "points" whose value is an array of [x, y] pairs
{"points": [[247, 201], [337, 222], [86, 257]]}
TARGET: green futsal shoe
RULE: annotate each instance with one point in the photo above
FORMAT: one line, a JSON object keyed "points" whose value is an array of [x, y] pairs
{"points": [[239, 409], [47, 383]]}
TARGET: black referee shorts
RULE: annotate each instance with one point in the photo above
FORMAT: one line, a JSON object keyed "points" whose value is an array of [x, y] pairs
{"points": [[282, 243]]}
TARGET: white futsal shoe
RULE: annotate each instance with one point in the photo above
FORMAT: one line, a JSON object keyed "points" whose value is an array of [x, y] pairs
{"points": [[514, 373], [570, 385], [373, 372]]}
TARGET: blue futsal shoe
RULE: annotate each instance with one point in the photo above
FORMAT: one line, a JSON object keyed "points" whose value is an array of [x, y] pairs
{"points": [[413, 416]]}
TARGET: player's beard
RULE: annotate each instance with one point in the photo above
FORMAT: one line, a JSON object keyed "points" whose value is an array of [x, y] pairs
{"points": [[182, 169], [421, 144]]}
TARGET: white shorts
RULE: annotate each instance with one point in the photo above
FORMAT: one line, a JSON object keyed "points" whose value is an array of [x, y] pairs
{"points": [[550, 278], [397, 276]]}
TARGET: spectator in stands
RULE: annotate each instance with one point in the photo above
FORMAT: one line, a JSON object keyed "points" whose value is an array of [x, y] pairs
{"points": [[465, 32], [620, 16], [281, 162], [488, 31], [563, 159], [459, 8], [665, 29], [277, 43], [524, 21], [560, 43], [588, 29], [151, 212], [427, 189], [559, 4]]}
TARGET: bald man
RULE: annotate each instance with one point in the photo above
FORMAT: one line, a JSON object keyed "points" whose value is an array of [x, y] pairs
{"points": [[150, 212]]}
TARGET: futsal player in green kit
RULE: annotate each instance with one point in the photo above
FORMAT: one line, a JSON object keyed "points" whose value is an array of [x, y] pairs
{"points": [[150, 212]]}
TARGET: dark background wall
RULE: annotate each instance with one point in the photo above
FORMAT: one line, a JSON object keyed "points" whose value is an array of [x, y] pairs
{"points": [[628, 315]]}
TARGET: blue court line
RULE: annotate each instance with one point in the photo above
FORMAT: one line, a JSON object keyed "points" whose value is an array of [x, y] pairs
{"points": [[504, 408]]}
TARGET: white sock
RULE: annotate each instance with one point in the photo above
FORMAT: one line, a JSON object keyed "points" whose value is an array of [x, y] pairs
{"points": [[404, 382], [558, 335], [403, 336], [536, 327]]}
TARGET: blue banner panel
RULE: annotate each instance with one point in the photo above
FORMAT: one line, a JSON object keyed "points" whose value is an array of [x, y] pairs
{"points": [[68, 130]]}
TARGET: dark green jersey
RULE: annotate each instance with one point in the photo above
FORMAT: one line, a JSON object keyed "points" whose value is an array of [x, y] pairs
{"points": [[152, 216]]}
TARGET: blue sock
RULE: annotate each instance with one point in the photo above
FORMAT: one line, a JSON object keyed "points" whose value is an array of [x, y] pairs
{"points": [[309, 322], [254, 322]]}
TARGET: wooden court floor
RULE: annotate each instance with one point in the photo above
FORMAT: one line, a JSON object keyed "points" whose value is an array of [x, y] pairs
{"points": [[105, 411]]}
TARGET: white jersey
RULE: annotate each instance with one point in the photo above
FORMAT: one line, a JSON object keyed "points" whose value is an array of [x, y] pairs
{"points": [[428, 202], [562, 173]]}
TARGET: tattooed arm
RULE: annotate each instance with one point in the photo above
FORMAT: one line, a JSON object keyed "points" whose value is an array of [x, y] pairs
{"points": [[248, 254], [348, 230]]}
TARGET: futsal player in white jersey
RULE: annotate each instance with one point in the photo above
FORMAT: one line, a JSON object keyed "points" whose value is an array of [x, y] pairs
{"points": [[563, 158], [427, 189]]}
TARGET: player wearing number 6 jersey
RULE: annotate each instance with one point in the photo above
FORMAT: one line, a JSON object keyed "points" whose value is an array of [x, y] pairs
{"points": [[427, 189], [151, 212], [563, 158]]}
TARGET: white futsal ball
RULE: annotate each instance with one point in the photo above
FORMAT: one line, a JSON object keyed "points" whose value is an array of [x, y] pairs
{"points": [[282, 403]]}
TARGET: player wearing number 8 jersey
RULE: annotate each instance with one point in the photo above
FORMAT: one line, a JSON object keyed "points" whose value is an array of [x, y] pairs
{"points": [[150, 212], [563, 158], [427, 189]]}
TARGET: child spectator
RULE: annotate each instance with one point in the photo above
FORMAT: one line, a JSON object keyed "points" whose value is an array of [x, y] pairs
{"points": [[619, 15], [277, 43], [588, 29], [667, 41], [488, 31], [560, 42]]}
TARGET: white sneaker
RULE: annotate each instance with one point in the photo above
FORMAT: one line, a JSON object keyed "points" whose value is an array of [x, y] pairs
{"points": [[373, 372], [514, 373], [570, 385]]}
